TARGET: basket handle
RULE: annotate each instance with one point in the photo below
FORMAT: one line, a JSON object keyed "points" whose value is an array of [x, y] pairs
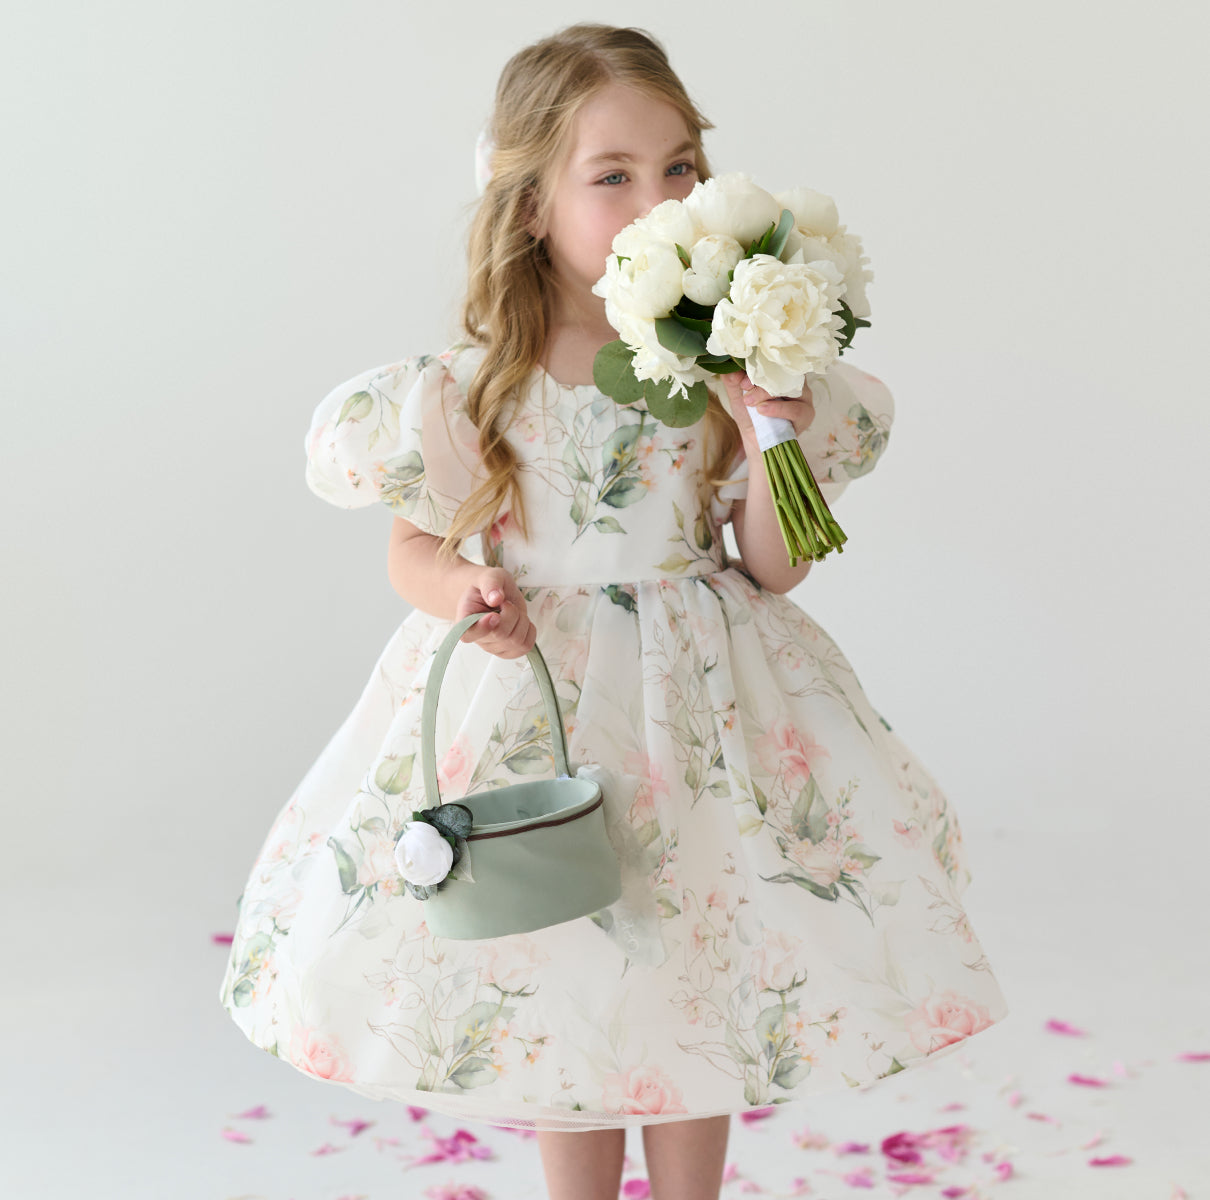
{"points": [[428, 718]]}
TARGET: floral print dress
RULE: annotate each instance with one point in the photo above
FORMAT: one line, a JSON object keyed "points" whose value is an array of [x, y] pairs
{"points": [[791, 917]]}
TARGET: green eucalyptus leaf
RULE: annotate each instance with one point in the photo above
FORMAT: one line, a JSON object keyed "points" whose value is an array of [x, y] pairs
{"points": [[682, 254], [697, 324], [720, 365], [676, 337], [691, 308], [453, 818], [777, 243], [613, 372], [674, 408]]}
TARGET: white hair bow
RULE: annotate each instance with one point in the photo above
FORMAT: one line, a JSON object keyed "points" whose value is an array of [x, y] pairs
{"points": [[484, 147]]}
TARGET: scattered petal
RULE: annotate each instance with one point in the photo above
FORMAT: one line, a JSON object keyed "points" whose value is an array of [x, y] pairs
{"points": [[954, 1106], [851, 1148], [259, 1113], [1014, 1099], [1086, 1080], [1096, 1139], [327, 1148], [756, 1114], [222, 939], [912, 1177], [861, 1179], [1111, 1160], [1178, 1193], [750, 1185], [729, 1172], [636, 1189], [1063, 1027], [807, 1140], [1035, 1116], [355, 1125], [417, 1113], [1003, 1170], [901, 1147], [952, 1193], [1193, 1056], [455, 1191], [236, 1135]]}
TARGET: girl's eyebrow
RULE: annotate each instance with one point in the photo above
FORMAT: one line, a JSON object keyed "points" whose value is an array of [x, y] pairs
{"points": [[622, 156]]}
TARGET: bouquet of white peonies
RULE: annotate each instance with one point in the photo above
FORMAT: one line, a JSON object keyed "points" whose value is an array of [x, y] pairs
{"points": [[734, 278]]}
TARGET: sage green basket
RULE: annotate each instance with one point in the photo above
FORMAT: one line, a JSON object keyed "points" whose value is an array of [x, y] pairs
{"points": [[539, 851]]}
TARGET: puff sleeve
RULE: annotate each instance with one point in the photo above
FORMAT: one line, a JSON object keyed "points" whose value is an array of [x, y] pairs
{"points": [[397, 435], [850, 431]]}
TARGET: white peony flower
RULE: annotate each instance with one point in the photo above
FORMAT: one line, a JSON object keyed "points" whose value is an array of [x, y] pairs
{"points": [[423, 856], [814, 213], [732, 204], [711, 258], [818, 234], [780, 320], [668, 222], [648, 284]]}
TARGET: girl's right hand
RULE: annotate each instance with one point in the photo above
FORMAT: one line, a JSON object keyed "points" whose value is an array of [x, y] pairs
{"points": [[507, 632]]}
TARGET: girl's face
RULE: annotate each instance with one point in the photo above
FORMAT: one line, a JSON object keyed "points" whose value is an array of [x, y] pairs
{"points": [[629, 152]]}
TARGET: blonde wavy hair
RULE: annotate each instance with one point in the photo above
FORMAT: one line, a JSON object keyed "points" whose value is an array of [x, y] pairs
{"points": [[511, 285]]}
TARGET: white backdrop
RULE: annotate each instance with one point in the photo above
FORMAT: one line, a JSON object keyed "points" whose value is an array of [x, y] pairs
{"points": [[215, 213]]}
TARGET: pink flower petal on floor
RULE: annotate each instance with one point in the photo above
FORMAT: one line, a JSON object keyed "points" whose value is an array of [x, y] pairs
{"points": [[379, 1142], [1003, 1170], [756, 1114], [860, 1179], [327, 1148], [1014, 1099], [259, 1113], [1193, 1056], [1086, 1080], [807, 1139], [417, 1113], [1034, 1116], [953, 1106], [636, 1189], [236, 1135], [1111, 1160], [222, 939], [750, 1185], [729, 1172], [901, 1147], [355, 1125], [800, 1185], [1096, 1139], [1063, 1027], [851, 1148], [455, 1191], [1178, 1193], [912, 1177], [952, 1193]]}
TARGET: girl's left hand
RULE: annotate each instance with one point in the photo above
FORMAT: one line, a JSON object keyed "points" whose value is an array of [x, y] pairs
{"points": [[798, 410]]}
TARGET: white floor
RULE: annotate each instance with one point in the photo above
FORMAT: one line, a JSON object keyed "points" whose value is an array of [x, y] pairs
{"points": [[125, 1078]]}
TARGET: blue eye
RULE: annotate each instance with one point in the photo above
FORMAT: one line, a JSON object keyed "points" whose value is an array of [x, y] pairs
{"points": [[613, 175], [688, 167]]}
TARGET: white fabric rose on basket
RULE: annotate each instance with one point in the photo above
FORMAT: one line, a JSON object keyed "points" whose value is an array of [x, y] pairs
{"points": [[432, 848], [423, 855]]}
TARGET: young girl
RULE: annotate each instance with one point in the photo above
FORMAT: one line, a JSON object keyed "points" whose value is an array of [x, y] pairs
{"points": [[790, 921]]}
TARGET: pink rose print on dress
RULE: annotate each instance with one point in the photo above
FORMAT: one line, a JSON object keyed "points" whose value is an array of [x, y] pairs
{"points": [[454, 770], [942, 1020], [642, 1090], [786, 750], [321, 1056]]}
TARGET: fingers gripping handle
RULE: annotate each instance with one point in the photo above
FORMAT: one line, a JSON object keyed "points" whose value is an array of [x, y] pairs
{"points": [[432, 689]]}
